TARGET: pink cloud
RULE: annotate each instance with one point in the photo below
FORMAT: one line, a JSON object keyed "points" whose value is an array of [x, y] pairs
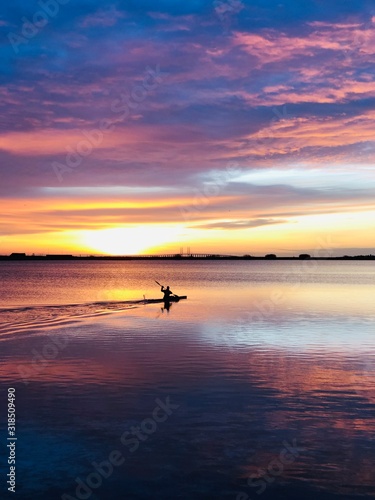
{"points": [[272, 46], [295, 137]]}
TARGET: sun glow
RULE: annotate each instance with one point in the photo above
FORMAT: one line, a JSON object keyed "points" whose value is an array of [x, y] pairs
{"points": [[129, 240]]}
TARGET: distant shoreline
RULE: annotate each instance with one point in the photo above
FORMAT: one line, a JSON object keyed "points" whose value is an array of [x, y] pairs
{"points": [[24, 257]]}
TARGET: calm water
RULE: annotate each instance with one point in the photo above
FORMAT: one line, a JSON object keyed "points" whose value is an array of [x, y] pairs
{"points": [[260, 385]]}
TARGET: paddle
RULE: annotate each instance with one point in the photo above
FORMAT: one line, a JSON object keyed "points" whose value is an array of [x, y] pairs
{"points": [[177, 297]]}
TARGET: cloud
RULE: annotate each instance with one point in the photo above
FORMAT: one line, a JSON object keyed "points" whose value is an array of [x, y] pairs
{"points": [[285, 86], [239, 206], [240, 224]]}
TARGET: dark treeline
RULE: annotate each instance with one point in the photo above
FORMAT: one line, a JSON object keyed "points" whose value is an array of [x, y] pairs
{"points": [[33, 257]]}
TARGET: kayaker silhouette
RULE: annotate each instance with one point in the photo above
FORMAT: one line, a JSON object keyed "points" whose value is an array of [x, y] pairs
{"points": [[167, 293]]}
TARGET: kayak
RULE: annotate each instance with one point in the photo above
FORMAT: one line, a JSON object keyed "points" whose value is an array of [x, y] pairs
{"points": [[160, 301]]}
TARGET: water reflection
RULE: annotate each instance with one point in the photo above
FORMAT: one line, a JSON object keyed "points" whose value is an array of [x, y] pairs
{"points": [[301, 372]]}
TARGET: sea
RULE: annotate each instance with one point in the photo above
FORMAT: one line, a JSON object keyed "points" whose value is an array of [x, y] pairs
{"points": [[261, 384]]}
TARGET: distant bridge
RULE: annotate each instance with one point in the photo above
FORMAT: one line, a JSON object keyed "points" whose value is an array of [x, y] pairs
{"points": [[179, 256]]}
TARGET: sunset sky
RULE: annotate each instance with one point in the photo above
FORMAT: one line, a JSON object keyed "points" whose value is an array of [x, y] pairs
{"points": [[227, 126]]}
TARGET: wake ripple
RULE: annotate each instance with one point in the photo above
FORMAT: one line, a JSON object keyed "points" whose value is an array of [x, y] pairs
{"points": [[25, 318]]}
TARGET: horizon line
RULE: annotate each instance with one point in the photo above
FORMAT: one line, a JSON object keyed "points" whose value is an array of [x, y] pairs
{"points": [[177, 256]]}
